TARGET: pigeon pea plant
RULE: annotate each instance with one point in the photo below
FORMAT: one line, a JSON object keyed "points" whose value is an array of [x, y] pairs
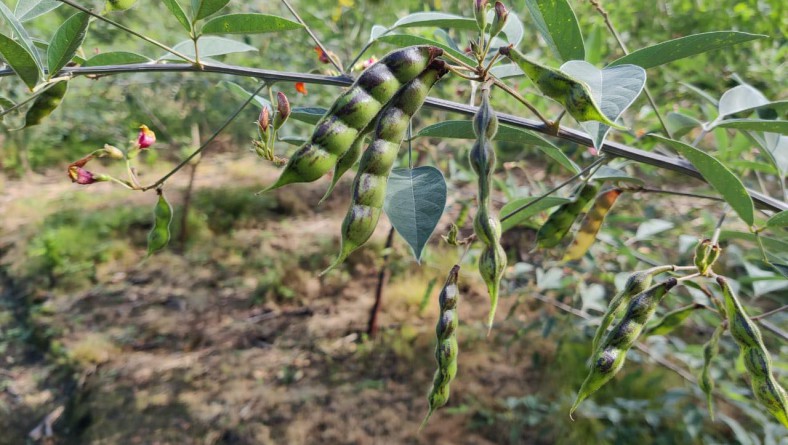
{"points": [[382, 101]]}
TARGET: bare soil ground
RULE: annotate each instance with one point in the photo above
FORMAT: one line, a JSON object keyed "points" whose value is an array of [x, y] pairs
{"points": [[182, 349]]}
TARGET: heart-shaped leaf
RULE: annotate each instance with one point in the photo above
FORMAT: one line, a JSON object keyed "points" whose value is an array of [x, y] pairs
{"points": [[613, 88], [558, 25], [715, 173], [741, 98], [415, 199]]}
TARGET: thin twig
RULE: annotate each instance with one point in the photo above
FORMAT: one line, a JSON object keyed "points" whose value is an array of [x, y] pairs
{"points": [[772, 312], [773, 329], [207, 141], [129, 30], [672, 192], [550, 126], [314, 37]]}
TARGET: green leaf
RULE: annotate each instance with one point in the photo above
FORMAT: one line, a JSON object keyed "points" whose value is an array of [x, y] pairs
{"points": [[614, 89], [741, 98], [177, 10], [242, 94], [116, 58], [683, 47], [680, 124], [521, 216], [20, 60], [778, 220], [607, 173], [435, 19], [24, 38], [558, 25], [66, 41], [715, 173], [310, 115], [248, 24], [29, 9], [45, 103], [780, 127], [204, 8], [464, 130], [209, 46], [506, 70], [415, 200], [777, 245], [5, 104], [403, 40]]}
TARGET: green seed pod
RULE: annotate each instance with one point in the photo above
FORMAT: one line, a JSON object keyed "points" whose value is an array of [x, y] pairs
{"points": [[159, 236], [492, 263], [702, 251], [560, 221], [355, 111], [756, 358], [446, 349], [591, 224], [573, 94], [45, 103], [705, 381], [672, 320], [345, 163], [369, 186], [609, 359]]}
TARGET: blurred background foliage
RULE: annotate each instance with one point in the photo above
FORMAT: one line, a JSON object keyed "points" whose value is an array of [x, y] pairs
{"points": [[77, 296]]}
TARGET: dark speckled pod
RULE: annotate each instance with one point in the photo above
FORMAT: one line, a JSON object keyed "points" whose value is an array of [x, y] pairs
{"points": [[354, 111]]}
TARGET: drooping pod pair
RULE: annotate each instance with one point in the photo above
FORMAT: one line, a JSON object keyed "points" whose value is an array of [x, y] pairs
{"points": [[636, 283], [757, 361], [560, 221], [486, 224], [446, 349], [369, 186], [610, 357], [354, 112]]}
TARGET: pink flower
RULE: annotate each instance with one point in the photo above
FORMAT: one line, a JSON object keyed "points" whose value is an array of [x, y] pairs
{"points": [[80, 175], [369, 62], [146, 137]]}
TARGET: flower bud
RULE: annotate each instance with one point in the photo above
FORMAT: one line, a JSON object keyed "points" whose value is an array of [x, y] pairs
{"points": [[84, 177], [264, 120], [283, 110], [146, 137], [112, 151], [501, 14], [301, 88], [480, 12]]}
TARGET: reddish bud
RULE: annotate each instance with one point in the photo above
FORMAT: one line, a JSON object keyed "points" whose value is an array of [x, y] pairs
{"points": [[264, 120], [480, 13], [301, 88], [321, 55], [501, 14], [146, 137], [283, 110], [82, 176]]}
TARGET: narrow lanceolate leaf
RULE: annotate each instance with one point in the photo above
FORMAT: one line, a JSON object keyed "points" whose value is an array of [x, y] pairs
{"points": [[204, 8], [414, 203], [177, 10], [770, 126], [591, 224], [24, 38], [671, 320], [209, 46], [248, 24], [403, 40], [29, 9], [607, 173], [435, 19], [682, 47], [558, 25], [521, 216], [614, 89], [310, 115], [778, 220], [116, 58], [66, 41], [715, 173], [464, 130], [20, 60]]}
